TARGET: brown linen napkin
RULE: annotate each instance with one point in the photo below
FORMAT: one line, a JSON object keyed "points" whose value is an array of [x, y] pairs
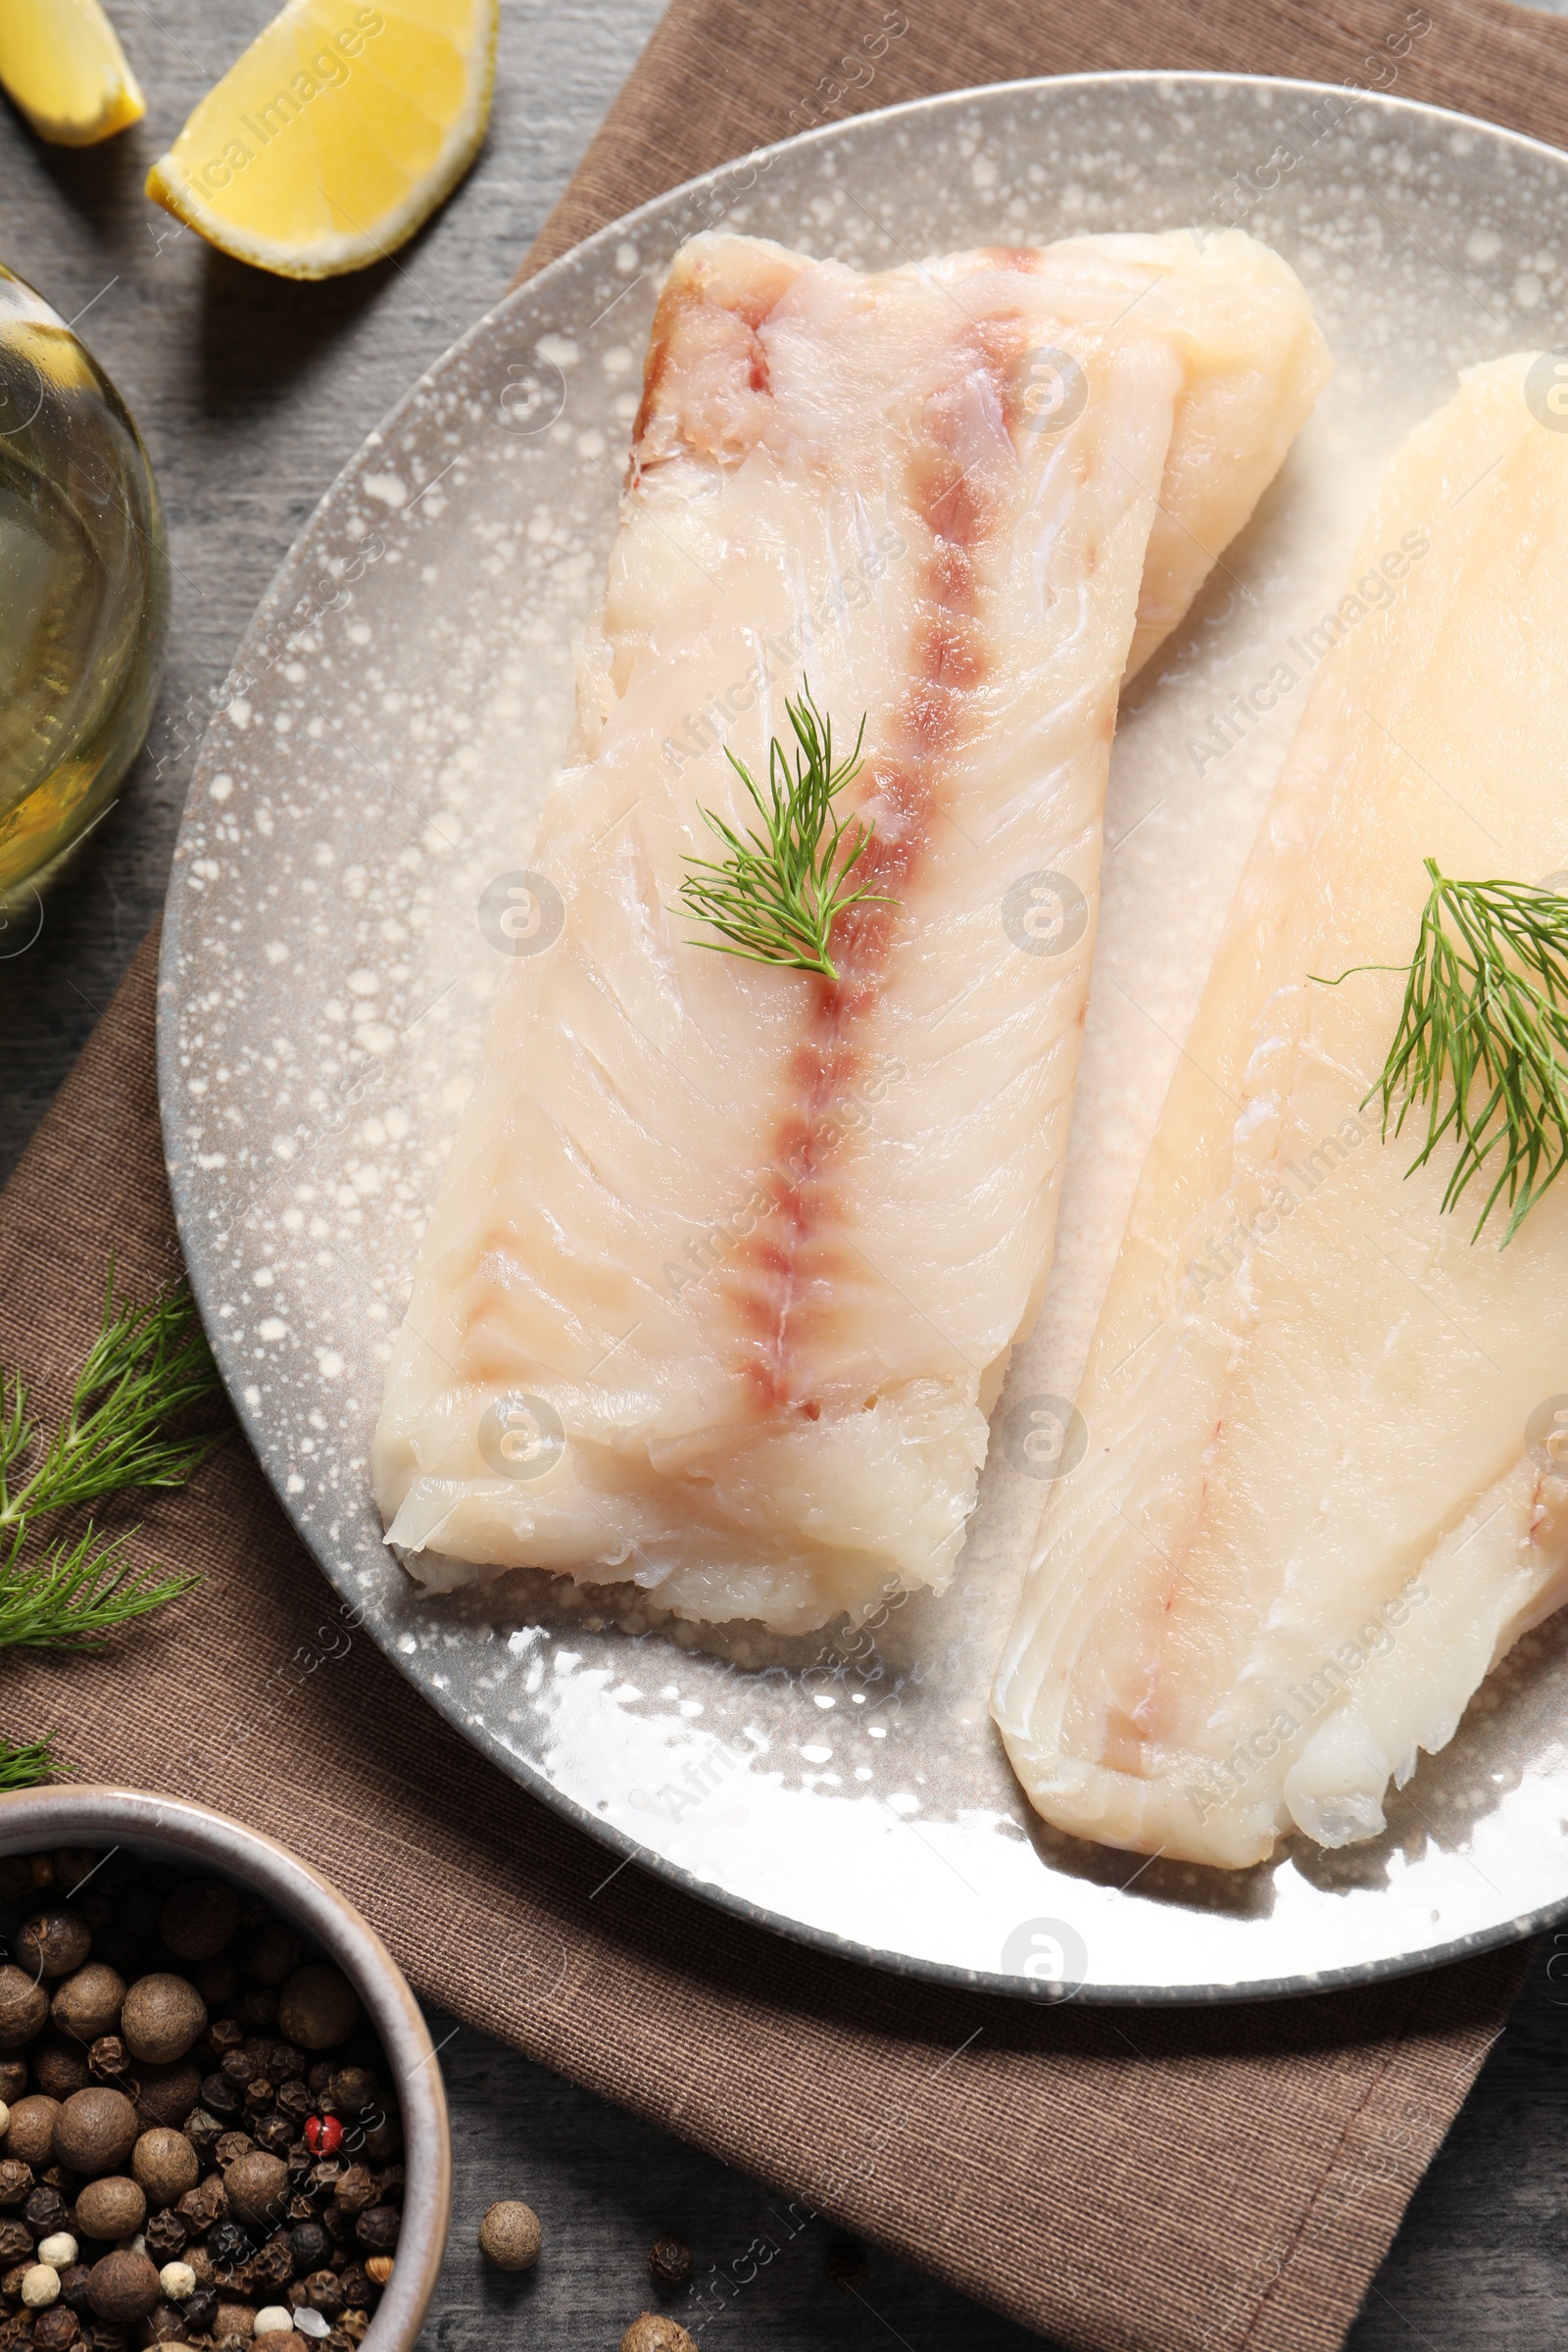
{"points": [[1180, 2181]]}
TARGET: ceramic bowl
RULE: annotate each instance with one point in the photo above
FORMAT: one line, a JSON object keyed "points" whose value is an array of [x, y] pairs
{"points": [[167, 1830]]}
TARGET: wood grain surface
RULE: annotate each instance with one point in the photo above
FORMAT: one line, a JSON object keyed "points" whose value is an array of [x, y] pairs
{"points": [[251, 394]]}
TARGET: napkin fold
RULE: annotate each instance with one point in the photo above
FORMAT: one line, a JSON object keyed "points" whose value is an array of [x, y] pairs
{"points": [[1181, 2180]]}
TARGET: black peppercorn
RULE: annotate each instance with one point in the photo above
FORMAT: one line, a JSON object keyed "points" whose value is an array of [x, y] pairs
{"points": [[201, 2310], [164, 2236], [46, 2211], [224, 2034], [272, 2270], [669, 2264], [108, 2058], [16, 2243], [354, 2090], [310, 2247], [166, 2324], [55, 2330], [376, 2230], [257, 2007], [73, 2286], [220, 2097], [228, 2245], [323, 2293], [358, 2291], [16, 2180], [356, 2188], [259, 2095], [273, 2133], [284, 2064], [382, 2139], [294, 2100], [203, 2205], [204, 2131]]}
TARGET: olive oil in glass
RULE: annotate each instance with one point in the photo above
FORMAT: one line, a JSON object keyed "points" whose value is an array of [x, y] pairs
{"points": [[84, 589]]}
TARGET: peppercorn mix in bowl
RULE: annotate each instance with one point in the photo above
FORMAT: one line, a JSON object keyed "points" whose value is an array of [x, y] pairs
{"points": [[221, 2123]]}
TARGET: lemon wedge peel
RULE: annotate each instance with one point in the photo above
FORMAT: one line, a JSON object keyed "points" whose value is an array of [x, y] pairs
{"points": [[62, 65], [336, 134]]}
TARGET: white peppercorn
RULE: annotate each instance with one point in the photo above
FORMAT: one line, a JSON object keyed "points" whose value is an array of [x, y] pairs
{"points": [[42, 2286], [177, 2280]]}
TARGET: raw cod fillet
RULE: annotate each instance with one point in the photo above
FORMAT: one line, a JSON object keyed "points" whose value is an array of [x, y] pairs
{"points": [[760, 1242], [1315, 1507]]}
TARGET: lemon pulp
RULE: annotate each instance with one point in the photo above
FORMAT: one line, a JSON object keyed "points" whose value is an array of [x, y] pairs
{"points": [[61, 62], [339, 131]]}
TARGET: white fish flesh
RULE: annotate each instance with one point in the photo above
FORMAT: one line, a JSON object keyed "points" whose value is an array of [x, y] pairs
{"points": [[739, 1251], [1323, 1489]]}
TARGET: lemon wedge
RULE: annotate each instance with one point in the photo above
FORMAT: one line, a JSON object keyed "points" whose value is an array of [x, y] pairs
{"points": [[339, 132], [61, 63]]}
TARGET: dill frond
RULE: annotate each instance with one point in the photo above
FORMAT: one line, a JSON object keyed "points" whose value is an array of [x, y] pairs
{"points": [[123, 1431], [1482, 1044], [25, 1766], [776, 898], [146, 1367]]}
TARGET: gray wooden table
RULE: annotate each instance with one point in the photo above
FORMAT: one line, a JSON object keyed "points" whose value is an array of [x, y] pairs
{"points": [[251, 393]]}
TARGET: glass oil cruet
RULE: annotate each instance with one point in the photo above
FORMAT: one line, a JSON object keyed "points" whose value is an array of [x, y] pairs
{"points": [[83, 591]]}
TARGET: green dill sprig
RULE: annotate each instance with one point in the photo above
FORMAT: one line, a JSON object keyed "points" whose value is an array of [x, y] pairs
{"points": [[24, 1767], [1481, 1044], [146, 1367], [77, 1592], [778, 894], [123, 1431]]}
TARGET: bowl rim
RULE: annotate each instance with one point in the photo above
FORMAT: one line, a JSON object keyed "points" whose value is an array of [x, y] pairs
{"points": [[83, 1812]]}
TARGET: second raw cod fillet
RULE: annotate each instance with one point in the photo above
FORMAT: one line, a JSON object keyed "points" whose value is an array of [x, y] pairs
{"points": [[1325, 1485]]}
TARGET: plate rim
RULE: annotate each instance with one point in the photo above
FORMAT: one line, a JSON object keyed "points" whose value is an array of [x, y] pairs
{"points": [[944, 1975]]}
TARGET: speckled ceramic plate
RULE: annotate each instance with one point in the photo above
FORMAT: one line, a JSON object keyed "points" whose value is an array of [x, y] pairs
{"points": [[328, 963]]}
